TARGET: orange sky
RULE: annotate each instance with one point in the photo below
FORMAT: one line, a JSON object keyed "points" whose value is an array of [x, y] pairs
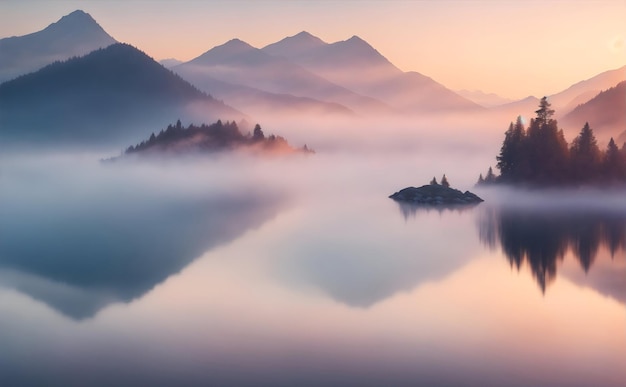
{"points": [[512, 48]]}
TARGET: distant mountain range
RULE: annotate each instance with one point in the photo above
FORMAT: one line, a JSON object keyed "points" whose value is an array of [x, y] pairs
{"points": [[170, 62], [583, 91], [75, 34], [263, 103], [113, 93], [298, 75], [239, 64], [356, 65], [605, 113], [487, 100], [600, 100]]}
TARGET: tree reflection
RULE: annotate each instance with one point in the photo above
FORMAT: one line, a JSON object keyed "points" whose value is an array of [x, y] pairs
{"points": [[541, 238]]}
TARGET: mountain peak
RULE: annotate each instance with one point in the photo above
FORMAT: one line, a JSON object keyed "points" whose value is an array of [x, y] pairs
{"points": [[233, 51], [79, 25], [79, 13], [300, 44], [74, 34], [236, 45], [355, 39], [76, 19], [304, 35]]}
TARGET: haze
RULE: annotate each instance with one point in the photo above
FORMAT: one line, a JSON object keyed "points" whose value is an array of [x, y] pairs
{"points": [[472, 45], [163, 223]]}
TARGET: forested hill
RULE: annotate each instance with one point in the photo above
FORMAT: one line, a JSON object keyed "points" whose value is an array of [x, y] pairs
{"points": [[539, 155], [177, 140], [110, 94]]}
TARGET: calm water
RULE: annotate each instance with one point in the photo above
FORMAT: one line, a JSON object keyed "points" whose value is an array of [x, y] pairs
{"points": [[226, 272]]}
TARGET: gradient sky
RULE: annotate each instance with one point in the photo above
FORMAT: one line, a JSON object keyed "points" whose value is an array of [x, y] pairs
{"points": [[512, 48]]}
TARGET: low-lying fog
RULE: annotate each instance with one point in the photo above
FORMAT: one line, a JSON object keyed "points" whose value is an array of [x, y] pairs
{"points": [[229, 246]]}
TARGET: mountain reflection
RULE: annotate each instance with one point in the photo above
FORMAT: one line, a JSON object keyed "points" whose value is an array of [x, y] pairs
{"points": [[81, 257], [541, 238]]}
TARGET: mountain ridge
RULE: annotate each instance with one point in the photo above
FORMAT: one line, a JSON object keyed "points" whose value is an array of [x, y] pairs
{"points": [[238, 63], [358, 66], [108, 94], [74, 34], [605, 113]]}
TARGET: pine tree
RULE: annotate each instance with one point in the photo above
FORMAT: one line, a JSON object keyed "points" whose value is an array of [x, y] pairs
{"points": [[544, 113], [434, 181], [546, 150], [258, 135], [511, 160], [490, 178], [614, 164], [444, 181], [585, 156], [481, 180]]}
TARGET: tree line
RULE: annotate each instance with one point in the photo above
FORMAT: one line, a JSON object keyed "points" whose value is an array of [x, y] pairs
{"points": [[214, 137], [539, 155]]}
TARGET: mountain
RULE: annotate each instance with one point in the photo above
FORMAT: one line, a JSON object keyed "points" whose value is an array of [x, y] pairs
{"points": [[112, 94], [356, 65], [484, 99], [238, 63], [606, 112], [170, 62], [263, 104], [583, 91], [524, 107], [298, 46], [341, 62], [75, 34], [567, 100]]}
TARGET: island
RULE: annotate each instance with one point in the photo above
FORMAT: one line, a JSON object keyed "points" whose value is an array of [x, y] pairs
{"points": [[217, 137], [435, 194]]}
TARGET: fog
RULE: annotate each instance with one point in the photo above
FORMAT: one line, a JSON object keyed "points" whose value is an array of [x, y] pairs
{"points": [[145, 268], [77, 231], [87, 210]]}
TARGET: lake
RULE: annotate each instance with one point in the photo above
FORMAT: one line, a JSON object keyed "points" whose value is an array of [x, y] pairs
{"points": [[300, 271]]}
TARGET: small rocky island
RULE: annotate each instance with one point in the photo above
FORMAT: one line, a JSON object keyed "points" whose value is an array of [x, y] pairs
{"points": [[435, 194]]}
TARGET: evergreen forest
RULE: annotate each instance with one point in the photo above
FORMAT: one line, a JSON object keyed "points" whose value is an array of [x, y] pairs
{"points": [[538, 155]]}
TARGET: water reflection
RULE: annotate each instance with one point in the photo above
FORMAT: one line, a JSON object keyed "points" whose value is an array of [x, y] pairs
{"points": [[542, 238], [361, 253], [410, 210], [79, 257]]}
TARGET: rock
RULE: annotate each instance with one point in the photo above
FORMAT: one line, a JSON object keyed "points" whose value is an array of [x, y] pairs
{"points": [[435, 195]]}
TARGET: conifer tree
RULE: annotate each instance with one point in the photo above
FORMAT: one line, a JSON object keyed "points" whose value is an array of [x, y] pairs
{"points": [[434, 181], [490, 178], [511, 160], [258, 135], [545, 112], [614, 164], [585, 156], [444, 181], [547, 151]]}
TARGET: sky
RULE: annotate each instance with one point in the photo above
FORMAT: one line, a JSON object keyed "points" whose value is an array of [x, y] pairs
{"points": [[511, 48]]}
